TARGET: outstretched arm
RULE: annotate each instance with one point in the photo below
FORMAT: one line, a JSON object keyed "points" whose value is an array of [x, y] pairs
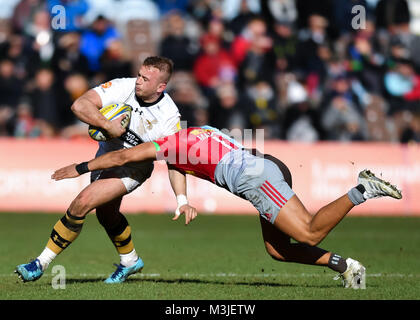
{"points": [[142, 152], [179, 185]]}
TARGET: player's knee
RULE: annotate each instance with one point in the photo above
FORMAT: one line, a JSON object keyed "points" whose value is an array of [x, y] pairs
{"points": [[308, 237], [273, 253], [81, 205], [312, 239]]}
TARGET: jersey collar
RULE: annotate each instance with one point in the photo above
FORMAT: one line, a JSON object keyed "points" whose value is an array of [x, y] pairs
{"points": [[149, 104]]}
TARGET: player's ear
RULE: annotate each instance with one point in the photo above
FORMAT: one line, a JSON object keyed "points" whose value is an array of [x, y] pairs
{"points": [[161, 87]]}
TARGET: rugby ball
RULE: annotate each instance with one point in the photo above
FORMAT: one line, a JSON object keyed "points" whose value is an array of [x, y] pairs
{"points": [[111, 112]]}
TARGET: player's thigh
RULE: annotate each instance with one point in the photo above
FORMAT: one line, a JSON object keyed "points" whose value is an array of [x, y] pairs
{"points": [[96, 194], [275, 241], [294, 220]]}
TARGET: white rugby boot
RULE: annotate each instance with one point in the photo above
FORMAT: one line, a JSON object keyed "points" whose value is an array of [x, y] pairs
{"points": [[376, 187], [355, 275]]}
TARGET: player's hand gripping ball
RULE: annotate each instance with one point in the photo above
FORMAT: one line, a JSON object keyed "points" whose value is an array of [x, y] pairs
{"points": [[111, 112]]}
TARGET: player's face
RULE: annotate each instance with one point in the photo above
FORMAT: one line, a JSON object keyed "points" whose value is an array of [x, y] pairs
{"points": [[149, 83]]}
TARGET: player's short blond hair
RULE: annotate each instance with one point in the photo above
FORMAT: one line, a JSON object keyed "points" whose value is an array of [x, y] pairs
{"points": [[163, 64]]}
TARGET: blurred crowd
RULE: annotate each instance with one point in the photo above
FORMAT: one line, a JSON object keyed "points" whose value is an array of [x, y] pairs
{"points": [[301, 70]]}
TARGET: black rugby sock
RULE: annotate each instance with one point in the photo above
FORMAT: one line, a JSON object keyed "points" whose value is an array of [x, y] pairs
{"points": [[337, 263]]}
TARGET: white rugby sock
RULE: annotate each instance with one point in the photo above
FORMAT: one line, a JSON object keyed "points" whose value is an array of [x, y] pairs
{"points": [[46, 257], [129, 259]]}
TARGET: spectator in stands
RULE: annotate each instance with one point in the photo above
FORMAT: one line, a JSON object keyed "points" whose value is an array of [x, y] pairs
{"points": [[213, 66], [261, 108], [25, 125], [246, 41], [259, 61], [367, 61], [75, 85], [115, 61], [255, 30], [216, 28], [324, 8], [7, 120], [95, 41], [45, 99], [176, 45], [411, 134], [402, 86], [67, 57], [340, 85], [19, 49], [279, 10], [226, 109], [300, 120], [314, 48], [342, 121], [42, 35], [187, 96], [239, 13], [201, 11], [379, 126], [390, 14], [11, 87], [285, 44], [23, 15]]}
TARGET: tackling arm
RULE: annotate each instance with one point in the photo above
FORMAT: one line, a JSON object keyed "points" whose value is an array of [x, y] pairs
{"points": [[179, 185], [142, 152], [178, 181]]}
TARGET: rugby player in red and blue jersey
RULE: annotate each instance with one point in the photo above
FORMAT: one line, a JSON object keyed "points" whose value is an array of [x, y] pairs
{"points": [[264, 181]]}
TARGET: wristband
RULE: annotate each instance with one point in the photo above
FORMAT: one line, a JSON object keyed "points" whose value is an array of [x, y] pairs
{"points": [[82, 168], [181, 200]]}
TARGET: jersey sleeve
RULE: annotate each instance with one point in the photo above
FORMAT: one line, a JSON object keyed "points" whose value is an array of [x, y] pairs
{"points": [[115, 91], [173, 124], [167, 147], [163, 146]]}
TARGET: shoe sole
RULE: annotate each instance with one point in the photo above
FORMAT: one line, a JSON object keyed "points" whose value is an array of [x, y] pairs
{"points": [[385, 186], [359, 281], [137, 271]]}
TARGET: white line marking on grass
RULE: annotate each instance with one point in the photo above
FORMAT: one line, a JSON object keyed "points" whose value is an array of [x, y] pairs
{"points": [[233, 275]]}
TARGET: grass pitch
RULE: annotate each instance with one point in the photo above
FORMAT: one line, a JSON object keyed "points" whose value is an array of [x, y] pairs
{"points": [[214, 258]]}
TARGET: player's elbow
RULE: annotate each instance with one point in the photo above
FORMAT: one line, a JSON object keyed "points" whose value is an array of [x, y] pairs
{"points": [[76, 107]]}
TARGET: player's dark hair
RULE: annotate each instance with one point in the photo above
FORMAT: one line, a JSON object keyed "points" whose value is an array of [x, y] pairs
{"points": [[161, 63]]}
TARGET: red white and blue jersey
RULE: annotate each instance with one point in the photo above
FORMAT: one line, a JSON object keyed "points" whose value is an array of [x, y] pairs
{"points": [[196, 150]]}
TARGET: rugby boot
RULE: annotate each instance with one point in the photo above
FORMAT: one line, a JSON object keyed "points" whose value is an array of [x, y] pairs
{"points": [[376, 187], [122, 273], [355, 275], [30, 271]]}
